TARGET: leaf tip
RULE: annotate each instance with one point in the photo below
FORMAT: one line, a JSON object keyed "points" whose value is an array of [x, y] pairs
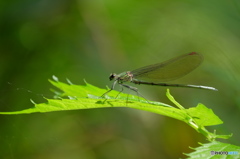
{"points": [[85, 81], [55, 78], [168, 91], [32, 101], [69, 82]]}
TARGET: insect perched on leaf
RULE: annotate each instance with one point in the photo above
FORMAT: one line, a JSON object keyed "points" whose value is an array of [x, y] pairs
{"points": [[161, 72]]}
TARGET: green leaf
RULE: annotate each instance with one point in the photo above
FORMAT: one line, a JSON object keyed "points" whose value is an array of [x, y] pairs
{"points": [[171, 98], [201, 115], [215, 150], [74, 97], [87, 97], [204, 116]]}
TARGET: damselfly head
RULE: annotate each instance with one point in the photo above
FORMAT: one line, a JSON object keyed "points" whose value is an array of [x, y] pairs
{"points": [[112, 76]]}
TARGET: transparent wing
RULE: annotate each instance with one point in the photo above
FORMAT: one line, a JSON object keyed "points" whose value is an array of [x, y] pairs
{"points": [[169, 70]]}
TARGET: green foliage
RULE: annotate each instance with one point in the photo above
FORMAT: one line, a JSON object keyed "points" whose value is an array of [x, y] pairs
{"points": [[90, 39], [205, 150], [73, 97]]}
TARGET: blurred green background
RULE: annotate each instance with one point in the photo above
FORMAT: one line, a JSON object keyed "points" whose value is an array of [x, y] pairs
{"points": [[89, 39]]}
